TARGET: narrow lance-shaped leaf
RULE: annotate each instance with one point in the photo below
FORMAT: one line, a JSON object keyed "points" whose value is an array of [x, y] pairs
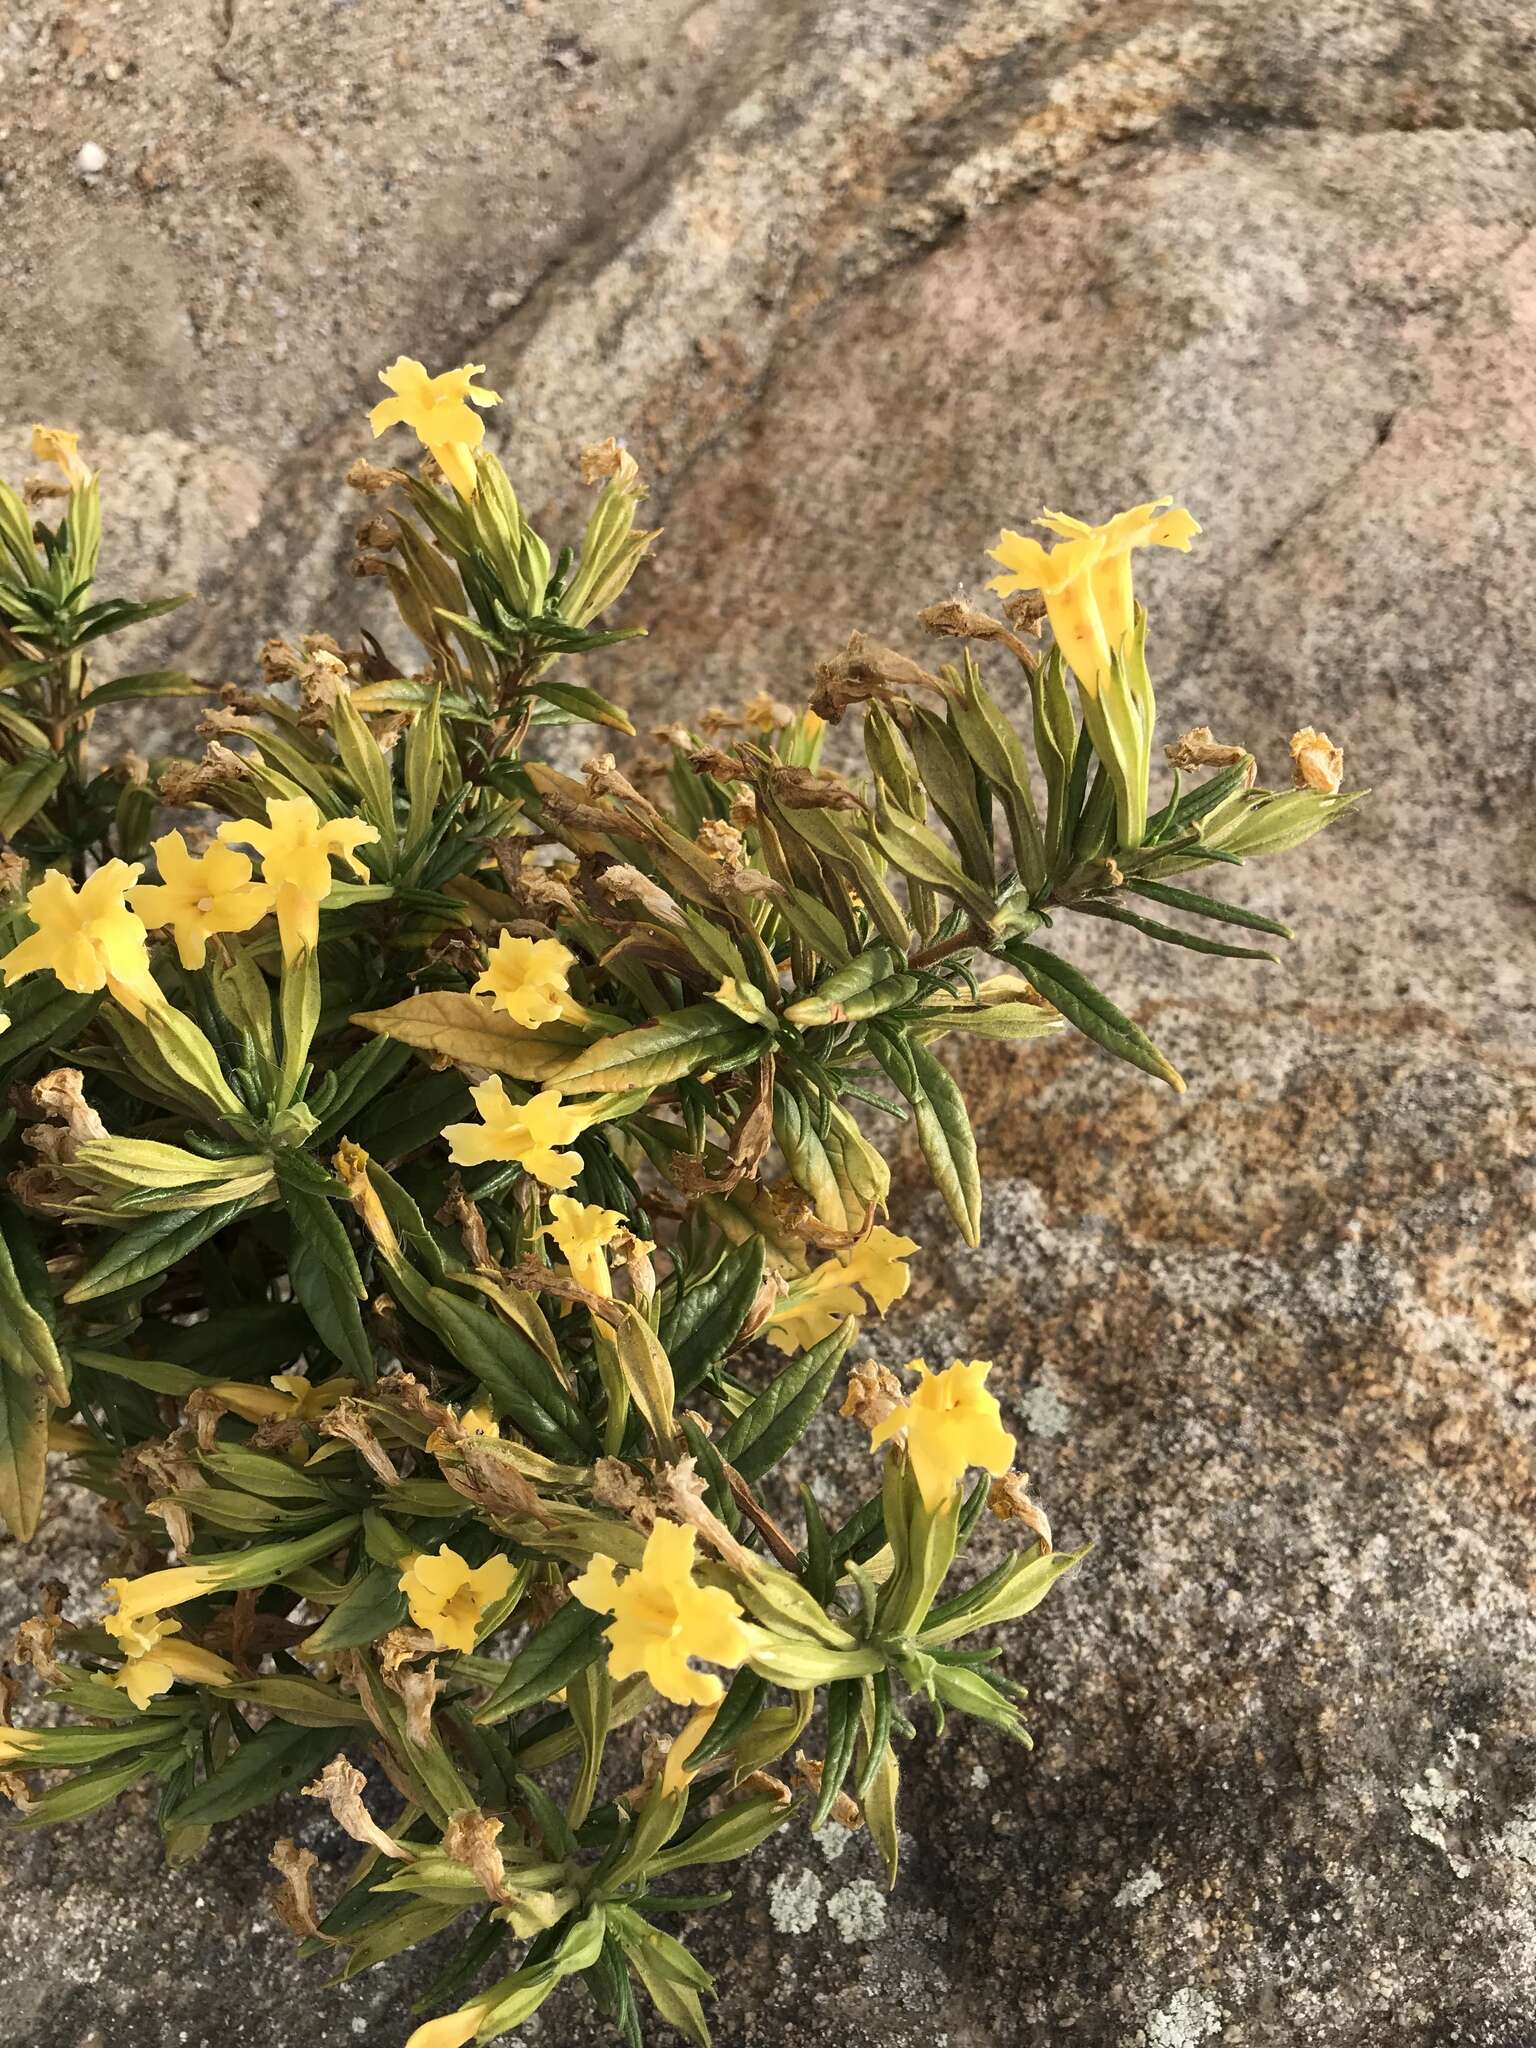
{"points": [[1090, 1011]]}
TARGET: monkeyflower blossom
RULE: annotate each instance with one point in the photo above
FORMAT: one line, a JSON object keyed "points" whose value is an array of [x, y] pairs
{"points": [[200, 895], [155, 1661], [1086, 581], [288, 1397], [583, 1232], [662, 1617], [138, 1599], [452, 2029], [817, 1303], [88, 937], [530, 1133], [448, 1597], [437, 410], [527, 979], [297, 847], [950, 1423]]}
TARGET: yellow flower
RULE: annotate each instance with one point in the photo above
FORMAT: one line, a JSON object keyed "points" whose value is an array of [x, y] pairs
{"points": [[199, 895], [527, 979], [297, 847], [154, 1663], [675, 1775], [57, 444], [582, 1231], [1086, 582], [662, 1617], [453, 2029], [437, 410], [448, 1599], [812, 1309], [288, 1396], [88, 937], [950, 1424], [479, 1422], [816, 1304], [138, 1598], [875, 1264], [529, 1132]]}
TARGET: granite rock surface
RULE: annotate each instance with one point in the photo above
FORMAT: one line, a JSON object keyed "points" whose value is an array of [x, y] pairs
{"points": [[858, 284]]}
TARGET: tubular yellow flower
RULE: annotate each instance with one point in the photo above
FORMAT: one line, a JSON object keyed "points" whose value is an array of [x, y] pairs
{"points": [[88, 937], [582, 1231], [137, 1598], [437, 410], [950, 1424], [1086, 581], [448, 1598], [675, 1774], [199, 895], [529, 1132], [876, 1264], [816, 1304], [453, 2029], [297, 847], [288, 1395], [527, 978], [662, 1618], [57, 444], [813, 1308], [154, 1662]]}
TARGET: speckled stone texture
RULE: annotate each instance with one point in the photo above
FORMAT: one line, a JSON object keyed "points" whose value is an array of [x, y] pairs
{"points": [[858, 283]]}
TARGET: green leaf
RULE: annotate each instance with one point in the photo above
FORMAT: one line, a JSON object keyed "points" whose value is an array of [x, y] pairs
{"points": [[26, 786], [1197, 905], [775, 1421], [158, 682], [943, 1125], [142, 1255], [517, 1376], [322, 1267], [368, 1610], [920, 854], [152, 1373], [88, 1791], [706, 1317], [305, 1702], [1090, 1011], [654, 1054], [566, 1644], [367, 769], [843, 1700], [1171, 935], [589, 1698], [277, 1760]]}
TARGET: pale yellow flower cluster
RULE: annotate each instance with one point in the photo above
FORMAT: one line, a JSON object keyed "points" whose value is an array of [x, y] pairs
{"points": [[94, 936]]}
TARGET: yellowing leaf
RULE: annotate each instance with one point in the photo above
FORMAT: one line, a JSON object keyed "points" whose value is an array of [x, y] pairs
{"points": [[463, 1027]]}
